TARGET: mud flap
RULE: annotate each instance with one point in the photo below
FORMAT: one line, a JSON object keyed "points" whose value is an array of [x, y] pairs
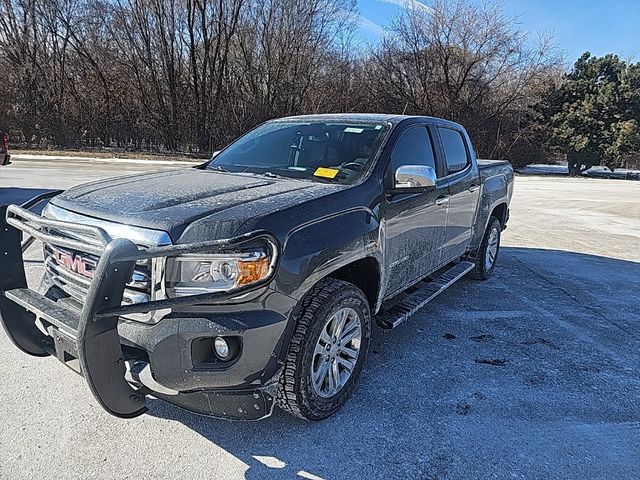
{"points": [[16, 321], [99, 349]]}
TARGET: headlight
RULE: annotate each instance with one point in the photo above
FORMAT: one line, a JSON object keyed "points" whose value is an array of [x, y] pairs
{"points": [[197, 274]]}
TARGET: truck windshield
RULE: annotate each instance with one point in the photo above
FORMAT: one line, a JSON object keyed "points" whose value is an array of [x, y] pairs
{"points": [[323, 151]]}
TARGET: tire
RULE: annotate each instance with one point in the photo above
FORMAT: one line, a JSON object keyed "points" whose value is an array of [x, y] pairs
{"points": [[484, 267], [298, 393]]}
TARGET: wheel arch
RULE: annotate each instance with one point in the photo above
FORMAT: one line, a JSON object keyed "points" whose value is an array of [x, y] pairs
{"points": [[364, 273], [500, 211]]}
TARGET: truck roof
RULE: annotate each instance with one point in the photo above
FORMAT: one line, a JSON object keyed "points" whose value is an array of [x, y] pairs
{"points": [[363, 117]]}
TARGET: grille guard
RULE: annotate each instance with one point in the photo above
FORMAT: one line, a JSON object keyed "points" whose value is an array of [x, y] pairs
{"points": [[92, 335]]}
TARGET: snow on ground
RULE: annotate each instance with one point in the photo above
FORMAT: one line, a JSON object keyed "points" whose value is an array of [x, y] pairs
{"points": [[547, 169], [561, 168]]}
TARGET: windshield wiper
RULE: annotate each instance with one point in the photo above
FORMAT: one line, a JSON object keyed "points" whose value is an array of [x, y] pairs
{"points": [[218, 168], [270, 175]]}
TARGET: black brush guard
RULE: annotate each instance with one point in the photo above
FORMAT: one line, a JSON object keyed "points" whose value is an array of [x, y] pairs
{"points": [[91, 335]]}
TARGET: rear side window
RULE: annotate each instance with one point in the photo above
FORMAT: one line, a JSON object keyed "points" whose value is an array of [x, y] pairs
{"points": [[414, 147], [455, 153]]}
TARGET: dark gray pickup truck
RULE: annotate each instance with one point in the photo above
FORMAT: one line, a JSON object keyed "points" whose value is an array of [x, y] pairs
{"points": [[255, 279]]}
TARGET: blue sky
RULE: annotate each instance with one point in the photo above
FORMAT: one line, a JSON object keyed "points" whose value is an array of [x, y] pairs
{"points": [[599, 26]]}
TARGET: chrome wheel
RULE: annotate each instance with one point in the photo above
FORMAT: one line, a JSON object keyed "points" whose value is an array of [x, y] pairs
{"points": [[492, 249], [336, 352]]}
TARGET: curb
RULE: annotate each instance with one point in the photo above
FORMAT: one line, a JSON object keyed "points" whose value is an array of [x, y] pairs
{"points": [[44, 158]]}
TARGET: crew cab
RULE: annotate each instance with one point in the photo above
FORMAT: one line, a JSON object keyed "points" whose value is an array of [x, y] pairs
{"points": [[255, 279]]}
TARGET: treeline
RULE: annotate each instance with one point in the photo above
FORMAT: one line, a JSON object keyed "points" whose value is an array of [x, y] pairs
{"points": [[190, 75]]}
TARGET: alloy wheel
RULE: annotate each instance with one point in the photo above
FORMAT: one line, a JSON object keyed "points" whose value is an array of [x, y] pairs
{"points": [[492, 249], [336, 352]]}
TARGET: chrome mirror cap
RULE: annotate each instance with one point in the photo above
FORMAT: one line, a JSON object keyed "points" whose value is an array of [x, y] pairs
{"points": [[415, 176]]}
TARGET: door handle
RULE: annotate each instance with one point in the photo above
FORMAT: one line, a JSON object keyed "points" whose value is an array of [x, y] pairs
{"points": [[474, 188], [442, 200]]}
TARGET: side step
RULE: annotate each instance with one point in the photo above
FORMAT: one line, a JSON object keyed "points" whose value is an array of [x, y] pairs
{"points": [[415, 301]]}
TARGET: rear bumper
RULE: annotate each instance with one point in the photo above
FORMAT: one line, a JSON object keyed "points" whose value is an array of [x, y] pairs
{"points": [[99, 345]]}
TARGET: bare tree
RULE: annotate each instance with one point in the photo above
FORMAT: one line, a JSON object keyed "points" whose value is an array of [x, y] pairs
{"points": [[211, 28], [464, 62], [190, 75]]}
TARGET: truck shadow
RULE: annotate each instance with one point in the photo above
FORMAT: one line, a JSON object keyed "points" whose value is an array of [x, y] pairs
{"points": [[457, 388]]}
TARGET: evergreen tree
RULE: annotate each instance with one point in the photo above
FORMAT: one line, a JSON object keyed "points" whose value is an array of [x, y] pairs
{"points": [[594, 115]]}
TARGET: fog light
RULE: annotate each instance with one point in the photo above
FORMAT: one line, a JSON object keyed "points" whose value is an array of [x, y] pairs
{"points": [[221, 347]]}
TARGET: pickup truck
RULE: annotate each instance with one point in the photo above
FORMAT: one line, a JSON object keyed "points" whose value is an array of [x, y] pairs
{"points": [[255, 279]]}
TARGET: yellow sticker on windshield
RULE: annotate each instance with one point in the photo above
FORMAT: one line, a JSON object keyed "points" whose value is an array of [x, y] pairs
{"points": [[326, 172]]}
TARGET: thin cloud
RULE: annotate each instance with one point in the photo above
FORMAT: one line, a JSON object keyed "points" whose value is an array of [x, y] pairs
{"points": [[408, 4], [371, 26]]}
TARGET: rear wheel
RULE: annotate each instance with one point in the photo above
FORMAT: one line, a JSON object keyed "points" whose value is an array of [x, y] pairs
{"points": [[488, 252], [327, 350]]}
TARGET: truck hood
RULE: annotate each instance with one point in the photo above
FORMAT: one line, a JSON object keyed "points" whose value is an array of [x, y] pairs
{"points": [[173, 200]]}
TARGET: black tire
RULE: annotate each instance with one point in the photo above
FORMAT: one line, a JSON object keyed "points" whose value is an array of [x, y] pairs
{"points": [[296, 393], [482, 271]]}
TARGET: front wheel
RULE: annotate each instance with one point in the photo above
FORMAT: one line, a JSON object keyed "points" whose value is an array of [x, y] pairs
{"points": [[488, 251], [327, 350]]}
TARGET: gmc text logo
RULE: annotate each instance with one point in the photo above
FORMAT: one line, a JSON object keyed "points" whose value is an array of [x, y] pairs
{"points": [[75, 263]]}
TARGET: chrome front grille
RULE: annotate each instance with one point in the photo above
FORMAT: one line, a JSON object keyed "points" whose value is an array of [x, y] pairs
{"points": [[146, 283], [138, 290]]}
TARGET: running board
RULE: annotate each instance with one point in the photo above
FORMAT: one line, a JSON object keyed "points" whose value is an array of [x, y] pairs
{"points": [[418, 299]]}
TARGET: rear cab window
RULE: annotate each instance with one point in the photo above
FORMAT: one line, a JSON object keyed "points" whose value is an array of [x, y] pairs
{"points": [[455, 150]]}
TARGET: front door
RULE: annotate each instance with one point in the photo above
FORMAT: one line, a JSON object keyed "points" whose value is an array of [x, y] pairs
{"points": [[414, 223]]}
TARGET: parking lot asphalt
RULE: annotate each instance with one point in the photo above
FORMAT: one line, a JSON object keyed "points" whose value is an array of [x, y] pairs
{"points": [[531, 374]]}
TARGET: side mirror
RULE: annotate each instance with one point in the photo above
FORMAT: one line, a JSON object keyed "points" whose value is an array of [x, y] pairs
{"points": [[414, 178]]}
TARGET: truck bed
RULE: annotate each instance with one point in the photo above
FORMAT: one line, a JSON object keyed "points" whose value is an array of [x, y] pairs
{"points": [[482, 163]]}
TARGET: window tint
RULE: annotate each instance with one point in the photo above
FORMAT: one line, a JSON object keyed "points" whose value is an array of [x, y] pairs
{"points": [[414, 147], [454, 150]]}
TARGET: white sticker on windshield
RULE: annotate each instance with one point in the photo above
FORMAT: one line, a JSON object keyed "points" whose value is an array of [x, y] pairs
{"points": [[353, 130]]}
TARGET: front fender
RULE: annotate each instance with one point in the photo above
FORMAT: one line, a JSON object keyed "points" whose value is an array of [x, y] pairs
{"points": [[313, 250]]}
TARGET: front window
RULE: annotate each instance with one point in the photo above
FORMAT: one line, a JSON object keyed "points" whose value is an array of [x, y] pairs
{"points": [[414, 147], [328, 151]]}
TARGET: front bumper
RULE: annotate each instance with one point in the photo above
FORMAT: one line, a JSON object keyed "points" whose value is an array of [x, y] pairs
{"points": [[99, 345], [170, 347], [232, 404]]}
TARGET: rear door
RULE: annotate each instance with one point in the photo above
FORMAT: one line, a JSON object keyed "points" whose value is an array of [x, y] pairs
{"points": [[414, 223], [462, 180]]}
